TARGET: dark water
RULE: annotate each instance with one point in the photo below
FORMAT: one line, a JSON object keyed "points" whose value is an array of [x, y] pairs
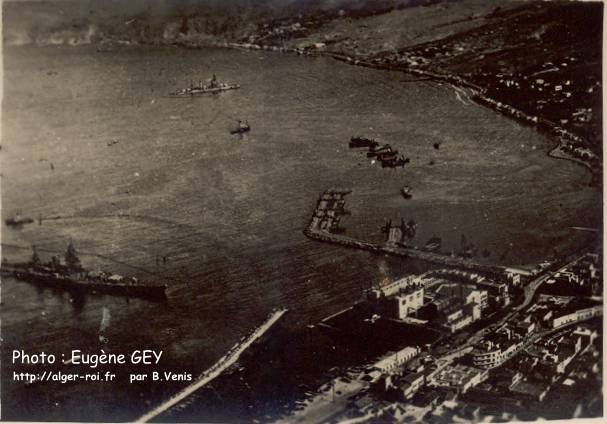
{"points": [[228, 212]]}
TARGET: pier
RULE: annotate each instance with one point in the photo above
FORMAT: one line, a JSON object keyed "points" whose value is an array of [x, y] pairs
{"points": [[407, 252], [317, 231], [224, 363]]}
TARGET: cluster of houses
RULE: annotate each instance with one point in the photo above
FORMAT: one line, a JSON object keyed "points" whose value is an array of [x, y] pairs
{"points": [[519, 362], [584, 276], [448, 300], [531, 374]]}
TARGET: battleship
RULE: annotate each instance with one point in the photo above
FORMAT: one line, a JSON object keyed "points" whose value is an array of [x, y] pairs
{"points": [[72, 277], [198, 90], [85, 282]]}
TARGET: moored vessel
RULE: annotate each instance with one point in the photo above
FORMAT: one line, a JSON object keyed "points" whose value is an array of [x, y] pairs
{"points": [[71, 276], [197, 90], [18, 221], [406, 192], [242, 128]]}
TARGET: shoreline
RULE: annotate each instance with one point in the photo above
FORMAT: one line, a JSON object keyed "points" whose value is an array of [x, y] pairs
{"points": [[475, 93]]}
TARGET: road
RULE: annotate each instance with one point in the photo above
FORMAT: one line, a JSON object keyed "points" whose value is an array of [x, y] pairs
{"points": [[529, 293]]}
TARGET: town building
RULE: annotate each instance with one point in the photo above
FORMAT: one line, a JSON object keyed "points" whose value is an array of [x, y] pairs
{"points": [[497, 292], [411, 383], [458, 316], [399, 299], [526, 326], [406, 302], [393, 361], [466, 293], [387, 289], [531, 390], [514, 275], [460, 378], [496, 349], [506, 378], [587, 336], [578, 315]]}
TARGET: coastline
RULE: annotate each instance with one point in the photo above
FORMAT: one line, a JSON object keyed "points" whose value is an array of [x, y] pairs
{"points": [[474, 92]]}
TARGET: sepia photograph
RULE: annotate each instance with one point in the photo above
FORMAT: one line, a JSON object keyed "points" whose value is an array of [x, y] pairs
{"points": [[301, 211]]}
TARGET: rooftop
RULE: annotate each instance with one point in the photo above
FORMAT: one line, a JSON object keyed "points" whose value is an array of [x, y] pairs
{"points": [[457, 375], [534, 389], [413, 377]]}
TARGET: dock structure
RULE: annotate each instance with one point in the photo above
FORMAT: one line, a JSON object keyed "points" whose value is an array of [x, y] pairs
{"points": [[329, 210], [408, 252], [317, 230], [224, 363]]}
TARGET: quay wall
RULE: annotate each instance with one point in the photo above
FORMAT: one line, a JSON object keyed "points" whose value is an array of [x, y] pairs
{"points": [[400, 251]]}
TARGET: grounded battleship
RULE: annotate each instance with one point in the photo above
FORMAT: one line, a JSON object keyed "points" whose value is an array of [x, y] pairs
{"points": [[71, 276], [198, 90]]}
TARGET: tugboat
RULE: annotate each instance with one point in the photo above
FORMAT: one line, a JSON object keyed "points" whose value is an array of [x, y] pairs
{"points": [[394, 162], [359, 141], [375, 151], [213, 87], [242, 128], [18, 221], [406, 192]]}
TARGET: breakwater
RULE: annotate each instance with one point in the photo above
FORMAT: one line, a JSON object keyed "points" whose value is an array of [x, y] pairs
{"points": [[406, 252], [224, 363], [323, 226]]}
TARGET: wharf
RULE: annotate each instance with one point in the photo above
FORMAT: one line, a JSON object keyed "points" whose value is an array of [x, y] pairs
{"points": [[407, 252], [224, 363], [318, 230]]}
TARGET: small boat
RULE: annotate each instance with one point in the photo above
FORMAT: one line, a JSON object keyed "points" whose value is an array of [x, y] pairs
{"points": [[434, 244], [406, 192], [242, 128], [374, 151], [387, 156], [18, 221], [394, 162], [359, 141]]}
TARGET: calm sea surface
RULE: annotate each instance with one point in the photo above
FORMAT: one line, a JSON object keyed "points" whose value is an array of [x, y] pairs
{"points": [[228, 211]]}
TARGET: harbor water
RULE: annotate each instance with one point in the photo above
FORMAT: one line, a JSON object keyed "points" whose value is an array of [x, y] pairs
{"points": [[156, 187]]}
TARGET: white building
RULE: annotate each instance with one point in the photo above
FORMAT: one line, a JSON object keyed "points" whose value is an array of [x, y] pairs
{"points": [[393, 361]]}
